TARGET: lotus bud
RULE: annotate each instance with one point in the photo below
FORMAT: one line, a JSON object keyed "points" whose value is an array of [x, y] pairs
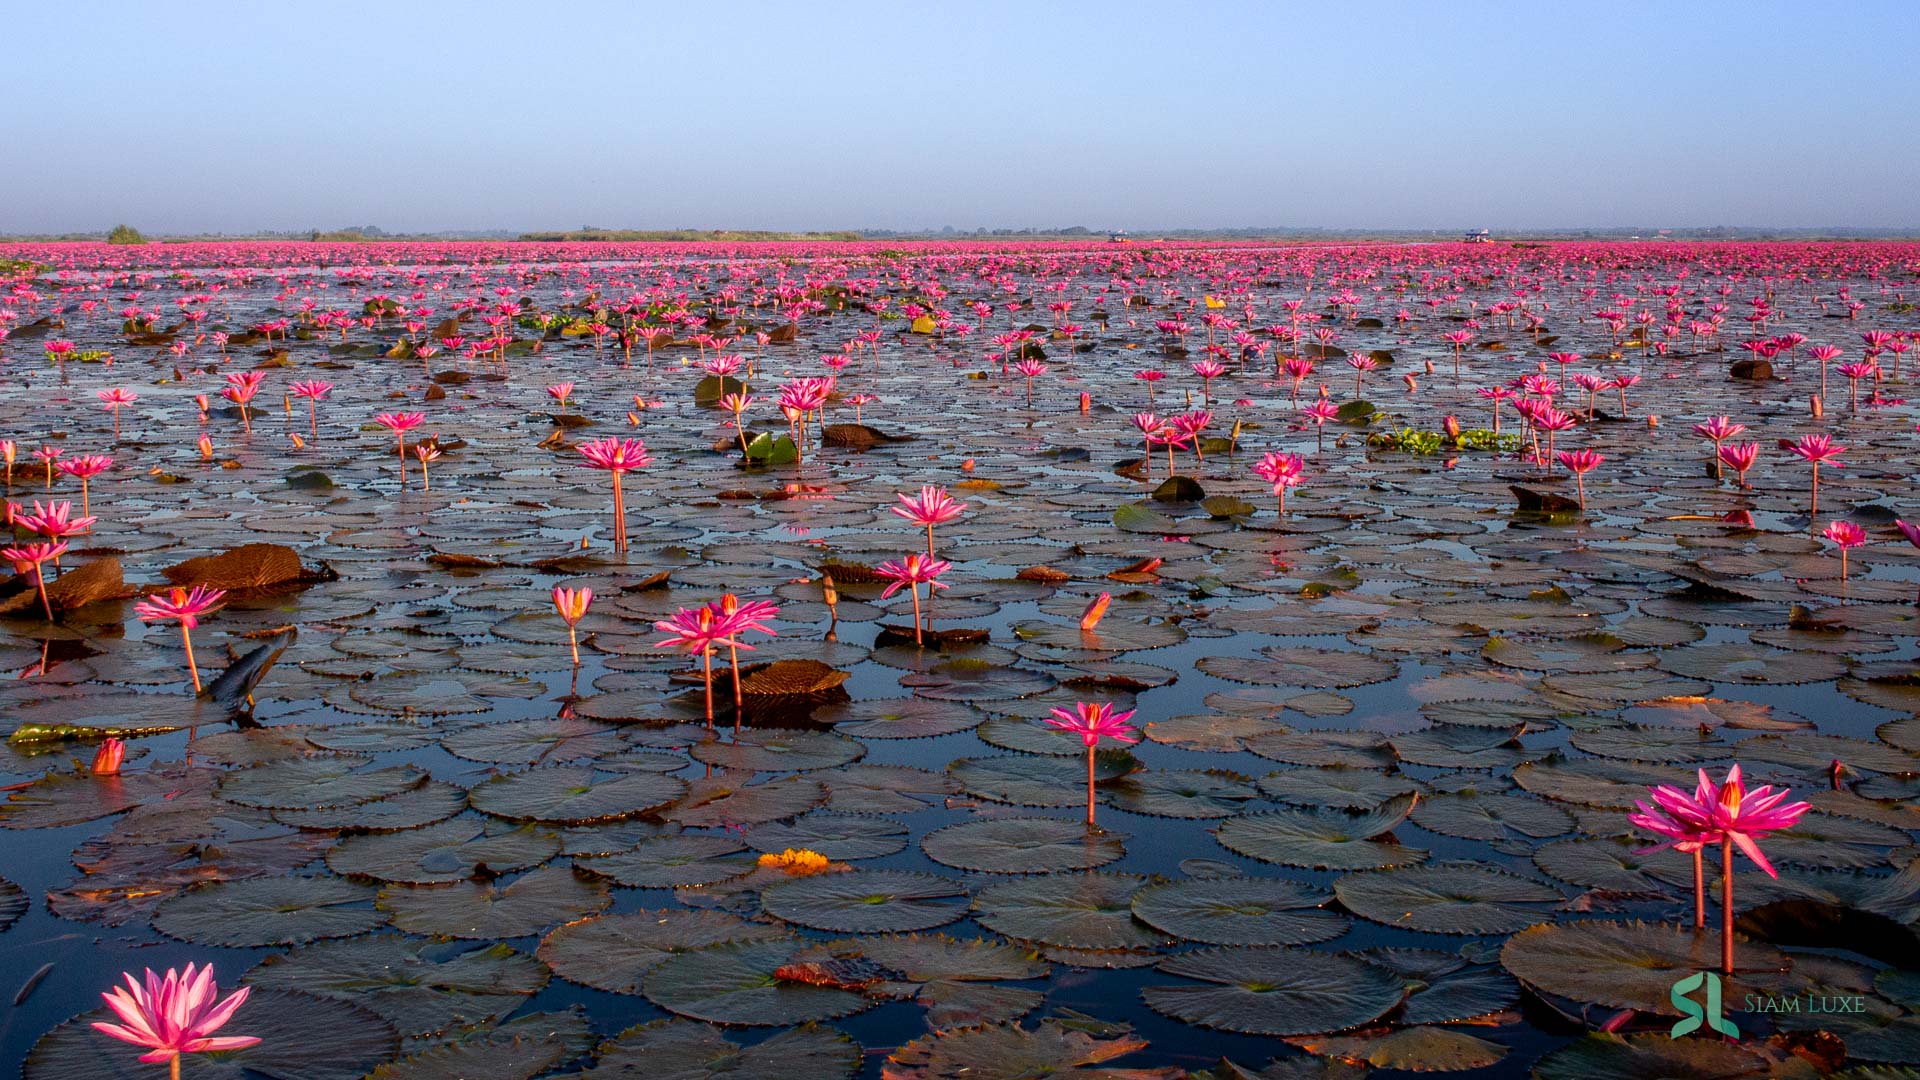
{"points": [[1411, 385], [1451, 425], [206, 447], [106, 760], [201, 400], [1653, 421], [1815, 405], [298, 442], [967, 465], [1090, 618], [1429, 367], [1086, 402]]}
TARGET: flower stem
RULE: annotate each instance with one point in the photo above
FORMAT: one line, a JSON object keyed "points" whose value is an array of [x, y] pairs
{"points": [[1699, 888], [186, 636], [707, 658], [1090, 787], [1726, 906]]}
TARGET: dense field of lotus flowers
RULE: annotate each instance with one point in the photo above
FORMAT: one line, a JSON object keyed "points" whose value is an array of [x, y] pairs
{"points": [[950, 659]]}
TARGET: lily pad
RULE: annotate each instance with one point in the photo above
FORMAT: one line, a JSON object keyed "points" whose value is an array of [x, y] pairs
{"points": [[613, 952], [867, 901], [1022, 845], [1323, 839], [1447, 898], [487, 912], [1275, 990], [677, 1049], [420, 989], [269, 911], [1240, 911], [736, 984], [572, 795], [1084, 911], [1633, 965]]}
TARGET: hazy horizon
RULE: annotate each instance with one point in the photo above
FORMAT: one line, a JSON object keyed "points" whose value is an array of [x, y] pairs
{"points": [[433, 118]]}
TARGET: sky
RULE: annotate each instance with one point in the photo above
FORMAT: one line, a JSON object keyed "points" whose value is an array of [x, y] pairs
{"points": [[424, 115]]}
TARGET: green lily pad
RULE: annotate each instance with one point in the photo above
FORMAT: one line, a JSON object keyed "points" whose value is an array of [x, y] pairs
{"points": [[867, 901], [473, 909], [1275, 990], [736, 984], [1022, 845], [268, 911], [613, 952], [1240, 911], [1447, 898]]}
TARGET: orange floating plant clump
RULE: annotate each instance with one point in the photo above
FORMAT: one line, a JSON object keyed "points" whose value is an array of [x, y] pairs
{"points": [[796, 861]]}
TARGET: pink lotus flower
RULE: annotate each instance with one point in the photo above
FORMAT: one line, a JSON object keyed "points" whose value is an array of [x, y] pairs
{"points": [[1320, 411], [55, 521], [1297, 369], [1740, 456], [695, 631], [400, 424], [1283, 471], [185, 607], [1816, 450], [115, 400], [1149, 376], [174, 1014], [560, 392], [1824, 354], [1580, 463], [736, 617], [933, 506], [1726, 814], [1845, 535], [240, 389], [313, 390], [84, 468], [30, 557], [617, 456], [1093, 722], [910, 573], [1208, 370], [1361, 363]]}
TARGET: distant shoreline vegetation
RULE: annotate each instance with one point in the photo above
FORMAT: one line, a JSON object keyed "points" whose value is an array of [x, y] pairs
{"points": [[593, 234], [633, 236]]}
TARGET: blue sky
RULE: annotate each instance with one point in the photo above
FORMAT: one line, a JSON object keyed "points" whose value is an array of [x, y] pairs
{"points": [[424, 115]]}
